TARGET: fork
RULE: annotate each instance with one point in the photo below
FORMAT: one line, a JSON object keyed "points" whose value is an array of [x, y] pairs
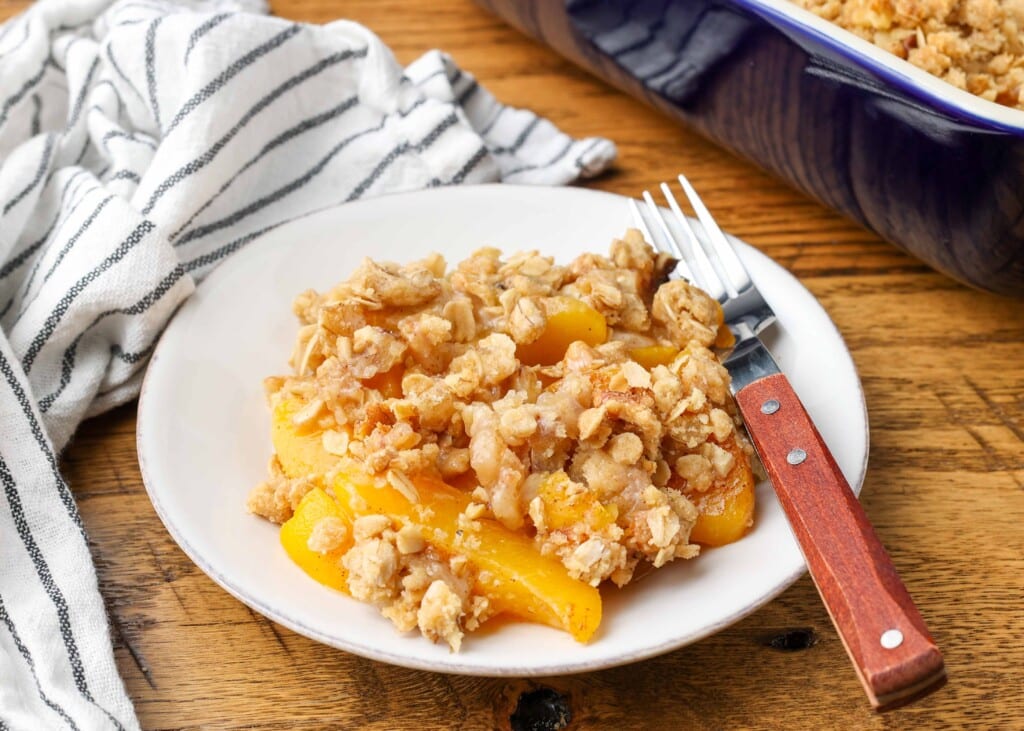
{"points": [[883, 633]]}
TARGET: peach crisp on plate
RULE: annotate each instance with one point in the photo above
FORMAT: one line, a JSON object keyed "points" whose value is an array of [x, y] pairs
{"points": [[504, 437]]}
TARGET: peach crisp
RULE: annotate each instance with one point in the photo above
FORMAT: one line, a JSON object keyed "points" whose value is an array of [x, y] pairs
{"points": [[504, 437]]}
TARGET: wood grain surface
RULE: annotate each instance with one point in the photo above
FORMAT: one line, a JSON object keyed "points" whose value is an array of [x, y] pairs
{"points": [[943, 368]]}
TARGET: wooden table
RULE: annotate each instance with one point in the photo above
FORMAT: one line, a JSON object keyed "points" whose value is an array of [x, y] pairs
{"points": [[943, 368]]}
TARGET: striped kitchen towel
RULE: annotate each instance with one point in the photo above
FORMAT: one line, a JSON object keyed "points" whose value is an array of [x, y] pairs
{"points": [[141, 143]]}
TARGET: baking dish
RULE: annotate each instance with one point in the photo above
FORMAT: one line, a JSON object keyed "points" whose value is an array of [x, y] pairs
{"points": [[929, 167]]}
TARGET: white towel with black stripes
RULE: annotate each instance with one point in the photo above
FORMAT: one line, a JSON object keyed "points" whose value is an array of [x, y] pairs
{"points": [[141, 143]]}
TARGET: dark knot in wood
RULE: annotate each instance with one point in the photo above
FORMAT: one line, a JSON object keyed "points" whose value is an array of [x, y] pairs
{"points": [[541, 709], [791, 640]]}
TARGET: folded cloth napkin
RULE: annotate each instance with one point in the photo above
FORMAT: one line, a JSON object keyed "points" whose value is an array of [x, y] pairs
{"points": [[141, 143]]}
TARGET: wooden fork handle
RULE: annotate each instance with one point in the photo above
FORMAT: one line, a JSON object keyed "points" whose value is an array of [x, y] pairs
{"points": [[883, 632]]}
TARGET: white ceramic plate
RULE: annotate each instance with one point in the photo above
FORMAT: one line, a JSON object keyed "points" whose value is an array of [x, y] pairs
{"points": [[204, 429]]}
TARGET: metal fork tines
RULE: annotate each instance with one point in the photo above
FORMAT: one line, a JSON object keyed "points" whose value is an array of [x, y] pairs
{"points": [[708, 261]]}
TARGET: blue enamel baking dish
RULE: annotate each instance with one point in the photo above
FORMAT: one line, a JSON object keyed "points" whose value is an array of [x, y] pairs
{"points": [[930, 168]]}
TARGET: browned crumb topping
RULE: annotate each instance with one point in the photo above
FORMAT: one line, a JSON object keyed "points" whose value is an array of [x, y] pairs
{"points": [[277, 498], [416, 370], [414, 585], [974, 45], [328, 534]]}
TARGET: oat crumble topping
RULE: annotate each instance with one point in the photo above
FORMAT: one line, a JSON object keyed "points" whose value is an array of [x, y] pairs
{"points": [[417, 370], [975, 45]]}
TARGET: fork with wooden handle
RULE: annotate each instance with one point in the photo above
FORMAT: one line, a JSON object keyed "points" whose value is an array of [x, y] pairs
{"points": [[883, 632]]}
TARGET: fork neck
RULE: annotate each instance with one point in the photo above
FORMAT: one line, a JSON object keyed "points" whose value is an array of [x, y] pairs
{"points": [[749, 360]]}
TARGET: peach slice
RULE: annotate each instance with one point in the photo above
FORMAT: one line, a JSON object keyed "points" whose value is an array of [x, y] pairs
{"points": [[727, 507], [513, 574], [568, 320], [323, 567]]}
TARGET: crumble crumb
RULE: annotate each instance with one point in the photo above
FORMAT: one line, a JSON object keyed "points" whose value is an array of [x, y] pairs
{"points": [[277, 497], [328, 534], [439, 615]]}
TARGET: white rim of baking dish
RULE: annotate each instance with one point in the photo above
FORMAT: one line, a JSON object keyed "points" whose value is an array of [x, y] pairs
{"points": [[917, 82]]}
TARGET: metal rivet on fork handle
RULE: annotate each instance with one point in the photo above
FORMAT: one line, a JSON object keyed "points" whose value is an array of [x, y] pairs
{"points": [[796, 456], [891, 639], [770, 406]]}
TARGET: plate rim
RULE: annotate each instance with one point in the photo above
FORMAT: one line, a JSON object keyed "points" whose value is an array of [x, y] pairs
{"points": [[455, 667]]}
